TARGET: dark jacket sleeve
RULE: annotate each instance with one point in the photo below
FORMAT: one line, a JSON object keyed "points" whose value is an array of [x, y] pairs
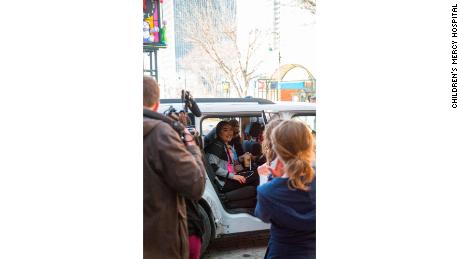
{"points": [[182, 166]]}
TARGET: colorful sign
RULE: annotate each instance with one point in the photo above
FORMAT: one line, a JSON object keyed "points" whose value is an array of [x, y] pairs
{"points": [[292, 85], [151, 18]]}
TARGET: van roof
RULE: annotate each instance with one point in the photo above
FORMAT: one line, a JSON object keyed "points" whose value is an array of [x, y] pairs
{"points": [[229, 106]]}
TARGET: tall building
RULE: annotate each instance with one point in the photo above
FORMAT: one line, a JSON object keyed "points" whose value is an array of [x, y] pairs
{"points": [[172, 75], [185, 14], [185, 6], [276, 25], [297, 35]]}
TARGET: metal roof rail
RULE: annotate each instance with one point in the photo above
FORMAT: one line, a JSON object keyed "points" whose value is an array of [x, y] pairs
{"points": [[222, 100]]}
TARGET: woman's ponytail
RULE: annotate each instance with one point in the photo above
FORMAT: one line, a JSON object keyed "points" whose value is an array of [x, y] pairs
{"points": [[293, 143], [300, 173]]}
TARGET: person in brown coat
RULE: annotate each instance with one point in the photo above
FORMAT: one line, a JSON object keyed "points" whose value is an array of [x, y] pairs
{"points": [[172, 170]]}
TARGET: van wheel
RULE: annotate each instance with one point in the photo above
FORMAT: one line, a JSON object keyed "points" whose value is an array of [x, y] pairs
{"points": [[207, 229]]}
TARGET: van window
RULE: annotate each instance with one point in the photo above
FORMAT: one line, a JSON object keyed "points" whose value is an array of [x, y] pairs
{"points": [[245, 122], [308, 120], [208, 124], [272, 115]]}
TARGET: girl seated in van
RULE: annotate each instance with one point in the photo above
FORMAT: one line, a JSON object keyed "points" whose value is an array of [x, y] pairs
{"points": [[228, 168]]}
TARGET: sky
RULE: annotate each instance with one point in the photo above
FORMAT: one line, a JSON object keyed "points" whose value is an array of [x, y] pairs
{"points": [[297, 31]]}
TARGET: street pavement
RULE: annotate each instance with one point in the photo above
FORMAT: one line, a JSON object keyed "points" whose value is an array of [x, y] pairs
{"points": [[243, 246], [250, 252]]}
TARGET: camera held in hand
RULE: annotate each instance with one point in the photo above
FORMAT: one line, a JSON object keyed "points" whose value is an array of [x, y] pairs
{"points": [[181, 120]]}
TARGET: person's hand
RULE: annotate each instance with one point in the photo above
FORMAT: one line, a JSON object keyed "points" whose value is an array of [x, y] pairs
{"points": [[238, 168], [189, 138], [239, 178], [264, 169]]}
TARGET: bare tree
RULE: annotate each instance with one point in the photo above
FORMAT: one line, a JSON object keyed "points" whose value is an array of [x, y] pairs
{"points": [[211, 27], [199, 63], [308, 4]]}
